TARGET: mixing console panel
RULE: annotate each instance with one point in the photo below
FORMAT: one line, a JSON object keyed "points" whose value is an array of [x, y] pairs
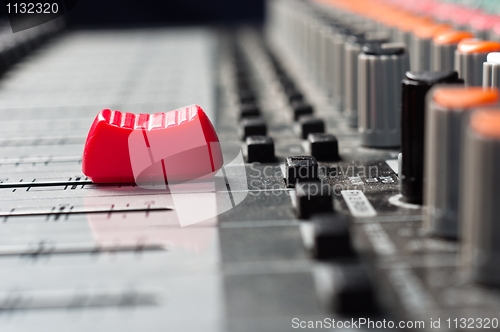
{"points": [[359, 188]]}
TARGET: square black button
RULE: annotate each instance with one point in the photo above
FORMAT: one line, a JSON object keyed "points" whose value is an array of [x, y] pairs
{"points": [[313, 197], [286, 82], [356, 295], [249, 110], [300, 109], [246, 96], [294, 96], [260, 149], [300, 168], [309, 124], [243, 84], [324, 147], [252, 127], [332, 237]]}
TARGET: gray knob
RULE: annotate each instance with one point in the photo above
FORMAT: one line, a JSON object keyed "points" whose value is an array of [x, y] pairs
{"points": [[448, 107], [482, 25], [313, 27], [469, 58], [421, 45], [480, 192], [443, 49], [325, 37], [338, 68], [380, 71], [403, 35], [491, 71], [352, 49], [327, 64]]}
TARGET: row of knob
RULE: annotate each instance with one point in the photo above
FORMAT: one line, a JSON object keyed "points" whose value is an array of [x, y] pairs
{"points": [[252, 125], [348, 55], [461, 184], [465, 16], [450, 147], [331, 236]]}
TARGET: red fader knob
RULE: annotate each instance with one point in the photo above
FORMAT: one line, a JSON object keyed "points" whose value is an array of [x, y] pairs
{"points": [[176, 146]]}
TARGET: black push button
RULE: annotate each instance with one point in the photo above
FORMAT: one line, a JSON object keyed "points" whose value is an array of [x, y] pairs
{"points": [[300, 109], [249, 110], [354, 292], [286, 82], [252, 127], [260, 149], [300, 168], [332, 239], [313, 197], [294, 96], [324, 147], [309, 125], [246, 96], [290, 88], [243, 84]]}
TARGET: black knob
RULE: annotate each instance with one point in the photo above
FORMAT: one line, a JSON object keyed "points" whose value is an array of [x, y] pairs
{"points": [[249, 110], [313, 197], [252, 127], [309, 125], [324, 147], [415, 87], [247, 96], [332, 238], [300, 168], [243, 84], [301, 108], [260, 149], [294, 95], [355, 292]]}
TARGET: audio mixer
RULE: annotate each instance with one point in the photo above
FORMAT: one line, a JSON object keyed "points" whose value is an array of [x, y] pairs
{"points": [[332, 169]]}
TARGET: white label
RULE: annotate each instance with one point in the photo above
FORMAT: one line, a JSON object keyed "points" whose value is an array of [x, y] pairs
{"points": [[394, 164], [358, 204], [356, 180]]}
